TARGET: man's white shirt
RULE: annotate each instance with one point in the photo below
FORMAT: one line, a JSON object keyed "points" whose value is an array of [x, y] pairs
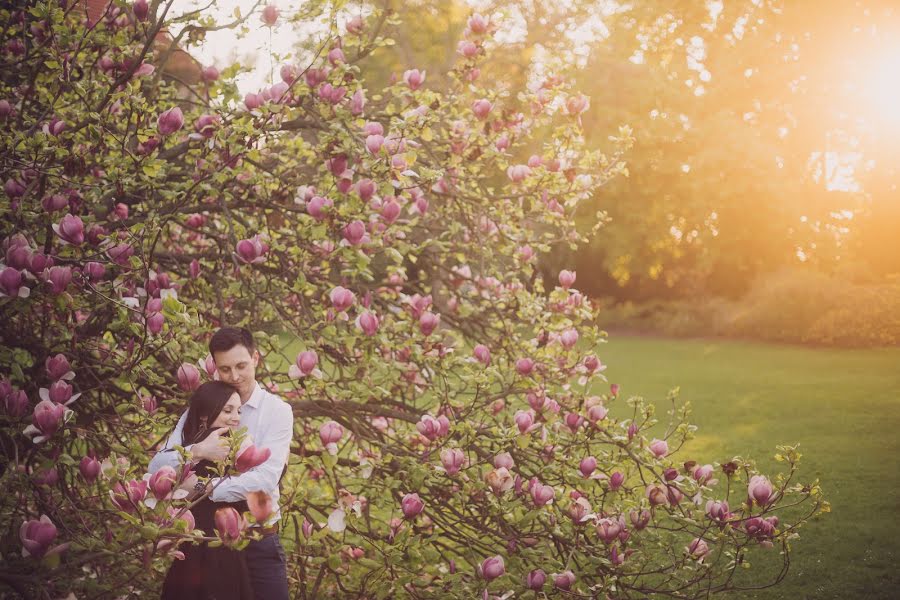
{"points": [[270, 422]]}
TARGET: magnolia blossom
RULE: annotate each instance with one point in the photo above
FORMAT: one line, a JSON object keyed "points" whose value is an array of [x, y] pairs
{"points": [[188, 377], [587, 466], [482, 108], [46, 420], [229, 524], [535, 580], [760, 490], [492, 568], [37, 536], [70, 229], [251, 457], [331, 433], [433, 428], [566, 278], [414, 78], [170, 121], [609, 529], [697, 549], [452, 459], [251, 250], [269, 15], [499, 480], [518, 173], [411, 505], [127, 496], [305, 365], [541, 494], [341, 298], [504, 460], [564, 580], [368, 322], [659, 448], [89, 467]]}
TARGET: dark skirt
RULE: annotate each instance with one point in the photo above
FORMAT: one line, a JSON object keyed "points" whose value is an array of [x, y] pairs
{"points": [[209, 573]]}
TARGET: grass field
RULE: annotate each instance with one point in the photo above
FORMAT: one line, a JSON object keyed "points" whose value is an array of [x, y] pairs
{"points": [[841, 406]]}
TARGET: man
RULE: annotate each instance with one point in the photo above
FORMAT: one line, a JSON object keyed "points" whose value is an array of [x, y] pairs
{"points": [[270, 422]]}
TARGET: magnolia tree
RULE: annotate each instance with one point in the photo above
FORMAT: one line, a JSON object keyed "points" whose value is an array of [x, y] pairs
{"points": [[454, 434]]}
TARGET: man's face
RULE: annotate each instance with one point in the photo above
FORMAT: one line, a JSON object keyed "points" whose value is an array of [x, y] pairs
{"points": [[237, 367]]}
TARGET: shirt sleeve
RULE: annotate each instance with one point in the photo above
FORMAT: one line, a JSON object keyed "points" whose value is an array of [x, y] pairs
{"points": [[168, 456], [263, 477]]}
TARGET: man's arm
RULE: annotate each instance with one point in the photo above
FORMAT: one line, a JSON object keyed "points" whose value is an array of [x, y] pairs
{"points": [[167, 455], [265, 476]]}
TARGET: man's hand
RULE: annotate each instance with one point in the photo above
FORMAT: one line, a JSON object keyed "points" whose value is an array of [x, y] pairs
{"points": [[212, 448]]}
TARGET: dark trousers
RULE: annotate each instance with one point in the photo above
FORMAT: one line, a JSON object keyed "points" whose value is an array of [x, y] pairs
{"points": [[268, 568]]}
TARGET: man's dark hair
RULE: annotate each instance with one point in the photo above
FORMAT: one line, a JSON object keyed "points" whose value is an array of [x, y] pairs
{"points": [[227, 338]]}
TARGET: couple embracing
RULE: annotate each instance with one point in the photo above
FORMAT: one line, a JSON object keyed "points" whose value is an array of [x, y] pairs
{"points": [[216, 408]]}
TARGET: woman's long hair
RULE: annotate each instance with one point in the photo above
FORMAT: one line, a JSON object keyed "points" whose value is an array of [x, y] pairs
{"points": [[206, 403]]}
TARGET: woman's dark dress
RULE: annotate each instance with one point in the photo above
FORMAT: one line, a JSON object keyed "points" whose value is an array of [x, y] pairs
{"points": [[207, 573]]}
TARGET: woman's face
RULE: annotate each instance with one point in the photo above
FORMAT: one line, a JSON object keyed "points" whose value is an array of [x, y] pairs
{"points": [[231, 414]]}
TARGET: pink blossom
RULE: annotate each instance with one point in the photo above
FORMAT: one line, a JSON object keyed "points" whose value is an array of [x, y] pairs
{"points": [[205, 125], [314, 77], [703, 474], [188, 377], [307, 361], [616, 480], [162, 482], [414, 78], [354, 232], [492, 568], [14, 188], [467, 48], [251, 457], [253, 101], [54, 127], [11, 283], [331, 432], [482, 354], [433, 428], [269, 15], [336, 56], [503, 142], [366, 189], [718, 511], [341, 298], [566, 278], [337, 164], [760, 490], [209, 73], [390, 210], [367, 322], [127, 496], [541, 494], [535, 580], [575, 105], [57, 367], [452, 460], [428, 322], [358, 102], [639, 519], [697, 549], [47, 418], [229, 523], [70, 229], [657, 494], [411, 505], [573, 421], [524, 366], [760, 529], [659, 448], [141, 10], [608, 529], [524, 421], [499, 480], [587, 466], [59, 392], [37, 536], [478, 24], [15, 403], [316, 206], [568, 338], [564, 580], [482, 108], [355, 25], [59, 278], [518, 173], [89, 467], [596, 413], [251, 250], [504, 460], [194, 269], [120, 253], [170, 121], [55, 202]]}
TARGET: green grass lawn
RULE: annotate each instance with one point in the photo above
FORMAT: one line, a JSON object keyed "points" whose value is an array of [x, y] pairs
{"points": [[843, 409]]}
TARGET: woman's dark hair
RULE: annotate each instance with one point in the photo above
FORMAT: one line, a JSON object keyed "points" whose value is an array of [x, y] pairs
{"points": [[227, 338], [206, 403]]}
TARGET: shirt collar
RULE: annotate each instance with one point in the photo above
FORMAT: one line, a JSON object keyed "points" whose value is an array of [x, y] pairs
{"points": [[255, 397]]}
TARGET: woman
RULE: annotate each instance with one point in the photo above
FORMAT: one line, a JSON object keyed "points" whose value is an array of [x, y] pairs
{"points": [[209, 573]]}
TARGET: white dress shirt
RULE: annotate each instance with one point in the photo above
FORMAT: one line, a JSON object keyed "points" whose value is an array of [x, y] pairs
{"points": [[270, 422]]}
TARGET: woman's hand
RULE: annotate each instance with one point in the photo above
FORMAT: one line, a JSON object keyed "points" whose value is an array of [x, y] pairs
{"points": [[189, 482]]}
